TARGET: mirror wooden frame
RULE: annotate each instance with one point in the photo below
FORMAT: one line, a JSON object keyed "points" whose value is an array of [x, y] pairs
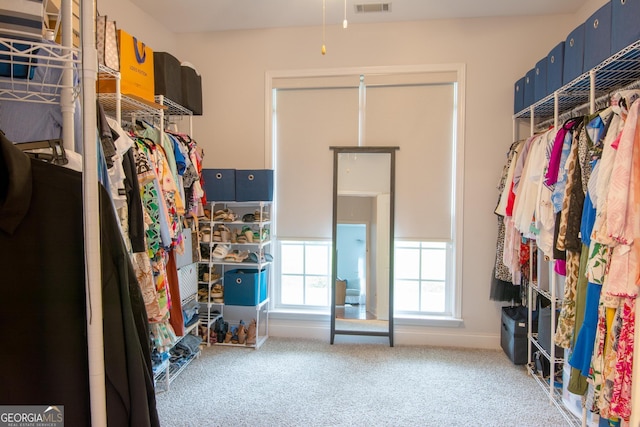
{"points": [[334, 268]]}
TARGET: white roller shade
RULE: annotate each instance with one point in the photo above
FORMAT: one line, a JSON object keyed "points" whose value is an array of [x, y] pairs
{"points": [[419, 120], [308, 122]]}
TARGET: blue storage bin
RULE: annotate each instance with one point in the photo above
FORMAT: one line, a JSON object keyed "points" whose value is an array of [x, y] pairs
{"points": [[254, 185], [529, 87], [573, 54], [555, 68], [518, 95], [219, 184], [245, 287], [17, 69], [625, 15], [597, 37], [540, 80]]}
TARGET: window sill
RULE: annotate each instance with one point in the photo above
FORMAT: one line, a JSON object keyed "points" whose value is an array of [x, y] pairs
{"points": [[438, 321], [284, 314], [325, 315]]}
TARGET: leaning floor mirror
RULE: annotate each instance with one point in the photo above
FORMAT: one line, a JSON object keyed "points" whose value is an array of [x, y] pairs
{"points": [[362, 245]]}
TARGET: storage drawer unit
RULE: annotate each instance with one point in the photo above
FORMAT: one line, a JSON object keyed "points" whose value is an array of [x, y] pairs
{"points": [[186, 257]]}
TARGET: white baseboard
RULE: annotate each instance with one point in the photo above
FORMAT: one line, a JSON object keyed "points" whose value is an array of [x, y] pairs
{"points": [[403, 334]]}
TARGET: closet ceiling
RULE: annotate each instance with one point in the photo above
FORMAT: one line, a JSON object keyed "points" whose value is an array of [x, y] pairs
{"points": [[221, 15]]}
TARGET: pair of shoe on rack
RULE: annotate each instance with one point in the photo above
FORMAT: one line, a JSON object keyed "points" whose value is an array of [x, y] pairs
{"points": [[209, 276], [222, 234], [226, 215], [260, 216], [255, 236], [217, 294], [251, 333], [220, 327], [236, 256], [220, 251], [237, 335], [255, 257]]}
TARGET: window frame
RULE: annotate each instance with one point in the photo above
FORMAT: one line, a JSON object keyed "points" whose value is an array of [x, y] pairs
{"points": [[459, 119]]}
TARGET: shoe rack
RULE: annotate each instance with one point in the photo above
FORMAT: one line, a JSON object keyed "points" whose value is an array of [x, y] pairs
{"points": [[234, 236]]}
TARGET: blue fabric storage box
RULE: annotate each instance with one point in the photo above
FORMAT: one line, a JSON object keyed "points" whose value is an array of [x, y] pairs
{"points": [[597, 37], [573, 54], [518, 95], [219, 184], [540, 83], [625, 15], [529, 87], [555, 68], [246, 287], [11, 65], [254, 185]]}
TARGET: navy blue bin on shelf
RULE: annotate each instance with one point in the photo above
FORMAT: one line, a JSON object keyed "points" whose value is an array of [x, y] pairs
{"points": [[518, 95], [219, 184], [254, 185], [16, 66], [529, 87], [573, 54], [625, 15], [555, 68], [245, 287], [540, 83], [597, 37]]}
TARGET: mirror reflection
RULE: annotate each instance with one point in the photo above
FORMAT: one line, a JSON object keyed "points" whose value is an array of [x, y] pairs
{"points": [[362, 240]]}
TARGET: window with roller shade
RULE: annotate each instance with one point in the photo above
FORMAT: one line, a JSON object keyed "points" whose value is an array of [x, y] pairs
{"points": [[418, 110]]}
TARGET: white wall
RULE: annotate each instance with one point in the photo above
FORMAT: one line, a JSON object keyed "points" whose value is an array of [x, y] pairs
{"points": [[496, 51], [138, 23]]}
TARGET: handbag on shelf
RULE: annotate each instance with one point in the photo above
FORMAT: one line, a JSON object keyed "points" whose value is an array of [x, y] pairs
{"points": [[107, 43]]}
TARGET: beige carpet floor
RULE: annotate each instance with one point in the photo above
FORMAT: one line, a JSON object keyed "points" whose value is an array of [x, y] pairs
{"points": [[290, 382]]}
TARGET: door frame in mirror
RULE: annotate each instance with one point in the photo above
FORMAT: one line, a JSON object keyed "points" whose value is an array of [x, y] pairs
{"points": [[334, 269]]}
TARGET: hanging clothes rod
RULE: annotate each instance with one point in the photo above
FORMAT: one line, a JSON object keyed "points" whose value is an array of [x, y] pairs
{"points": [[601, 102]]}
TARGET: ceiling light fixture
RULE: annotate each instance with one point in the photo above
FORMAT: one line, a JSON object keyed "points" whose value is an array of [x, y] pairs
{"points": [[345, 23], [324, 5]]}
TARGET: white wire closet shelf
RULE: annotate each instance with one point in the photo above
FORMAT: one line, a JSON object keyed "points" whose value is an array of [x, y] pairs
{"points": [[616, 72], [34, 70], [173, 108], [131, 107]]}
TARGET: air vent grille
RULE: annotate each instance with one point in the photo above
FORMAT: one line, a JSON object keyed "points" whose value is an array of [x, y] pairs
{"points": [[373, 7]]}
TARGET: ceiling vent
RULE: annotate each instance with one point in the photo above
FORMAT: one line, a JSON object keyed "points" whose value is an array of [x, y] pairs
{"points": [[373, 7]]}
